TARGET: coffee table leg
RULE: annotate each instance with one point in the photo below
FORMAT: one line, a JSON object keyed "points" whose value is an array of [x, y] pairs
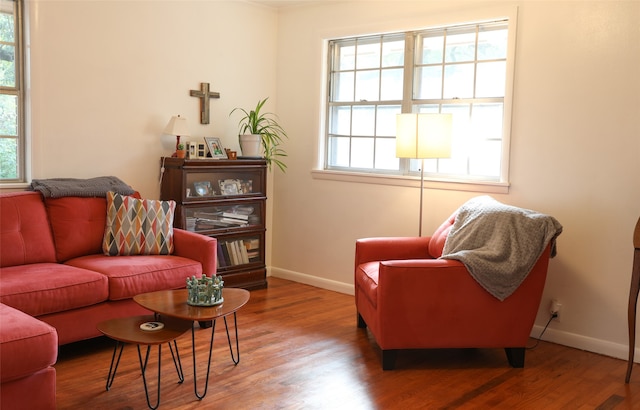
{"points": [[235, 324], [112, 370], [193, 349], [143, 368]]}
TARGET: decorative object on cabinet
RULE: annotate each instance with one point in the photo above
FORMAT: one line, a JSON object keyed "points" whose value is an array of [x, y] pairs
{"points": [[215, 148], [177, 126], [261, 129], [204, 95], [423, 136], [181, 152], [225, 199]]}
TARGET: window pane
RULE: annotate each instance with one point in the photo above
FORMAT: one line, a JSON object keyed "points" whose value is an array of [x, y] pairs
{"points": [[487, 121], [386, 154], [7, 66], [367, 83], [338, 151], [8, 115], [486, 162], [346, 59], [492, 44], [362, 152], [458, 81], [393, 53], [391, 84], [343, 86], [340, 121], [386, 121], [490, 79], [364, 119], [460, 47], [428, 82], [432, 50], [8, 158], [7, 25], [368, 54]]}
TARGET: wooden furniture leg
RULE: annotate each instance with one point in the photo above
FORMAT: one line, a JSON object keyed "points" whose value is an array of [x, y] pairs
{"points": [[633, 299]]}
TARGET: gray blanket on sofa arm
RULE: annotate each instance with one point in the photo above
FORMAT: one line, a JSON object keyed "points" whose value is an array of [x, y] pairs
{"points": [[499, 244]]}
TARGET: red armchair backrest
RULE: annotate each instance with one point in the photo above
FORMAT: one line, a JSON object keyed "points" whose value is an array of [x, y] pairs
{"points": [[436, 244]]}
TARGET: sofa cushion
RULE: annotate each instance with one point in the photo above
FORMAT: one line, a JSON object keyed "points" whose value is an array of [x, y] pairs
{"points": [[25, 236], [77, 225], [43, 288], [27, 345], [138, 226], [367, 281], [131, 275]]}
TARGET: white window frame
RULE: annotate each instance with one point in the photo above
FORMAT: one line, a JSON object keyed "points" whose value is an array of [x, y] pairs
{"points": [[412, 179], [24, 164]]}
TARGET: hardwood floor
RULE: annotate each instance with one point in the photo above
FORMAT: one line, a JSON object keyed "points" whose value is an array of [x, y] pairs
{"points": [[300, 349]]}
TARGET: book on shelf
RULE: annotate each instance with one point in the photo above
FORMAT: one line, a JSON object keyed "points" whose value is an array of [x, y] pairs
{"points": [[234, 215], [222, 261]]}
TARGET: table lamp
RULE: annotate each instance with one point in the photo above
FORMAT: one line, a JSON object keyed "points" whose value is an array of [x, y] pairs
{"points": [[423, 136], [177, 126]]}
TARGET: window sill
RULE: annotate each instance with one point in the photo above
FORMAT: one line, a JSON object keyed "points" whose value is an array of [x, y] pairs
{"points": [[13, 186], [411, 181]]}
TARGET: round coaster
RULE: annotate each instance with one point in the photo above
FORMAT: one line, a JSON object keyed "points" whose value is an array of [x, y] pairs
{"points": [[151, 326]]}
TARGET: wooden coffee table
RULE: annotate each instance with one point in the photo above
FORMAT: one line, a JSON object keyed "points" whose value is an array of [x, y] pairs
{"points": [[127, 330], [174, 303]]}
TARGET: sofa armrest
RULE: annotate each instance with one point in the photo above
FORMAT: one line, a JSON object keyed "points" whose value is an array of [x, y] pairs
{"points": [[391, 248], [197, 247]]}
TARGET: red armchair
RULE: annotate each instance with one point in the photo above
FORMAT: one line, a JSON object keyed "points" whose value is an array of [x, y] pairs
{"points": [[410, 299]]}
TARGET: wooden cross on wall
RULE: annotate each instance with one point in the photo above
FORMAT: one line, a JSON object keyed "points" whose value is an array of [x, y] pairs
{"points": [[204, 94]]}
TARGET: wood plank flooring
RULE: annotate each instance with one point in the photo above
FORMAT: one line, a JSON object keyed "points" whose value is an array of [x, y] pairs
{"points": [[300, 349]]}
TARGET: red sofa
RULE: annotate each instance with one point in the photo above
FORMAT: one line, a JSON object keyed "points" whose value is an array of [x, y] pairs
{"points": [[52, 268], [411, 299]]}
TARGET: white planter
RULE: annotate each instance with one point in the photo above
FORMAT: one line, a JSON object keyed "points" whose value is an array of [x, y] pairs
{"points": [[250, 145]]}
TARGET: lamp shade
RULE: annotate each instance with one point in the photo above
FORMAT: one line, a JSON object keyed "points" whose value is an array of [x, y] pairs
{"points": [[177, 126], [423, 136]]}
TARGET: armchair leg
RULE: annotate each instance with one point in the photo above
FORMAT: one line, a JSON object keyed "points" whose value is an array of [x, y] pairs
{"points": [[515, 355], [361, 323], [389, 359]]}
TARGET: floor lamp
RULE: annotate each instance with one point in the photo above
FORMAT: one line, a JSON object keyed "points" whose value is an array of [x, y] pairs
{"points": [[423, 136]]}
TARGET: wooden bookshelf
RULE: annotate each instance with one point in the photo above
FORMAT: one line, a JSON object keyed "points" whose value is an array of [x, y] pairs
{"points": [[225, 199]]}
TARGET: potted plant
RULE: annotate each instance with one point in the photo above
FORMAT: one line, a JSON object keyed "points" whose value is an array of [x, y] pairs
{"points": [[263, 131], [181, 152]]}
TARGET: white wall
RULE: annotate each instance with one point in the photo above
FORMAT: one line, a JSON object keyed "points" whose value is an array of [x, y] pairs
{"points": [[107, 76], [574, 153]]}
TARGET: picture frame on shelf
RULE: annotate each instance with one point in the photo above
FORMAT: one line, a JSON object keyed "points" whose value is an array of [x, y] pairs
{"points": [[229, 187], [215, 148]]}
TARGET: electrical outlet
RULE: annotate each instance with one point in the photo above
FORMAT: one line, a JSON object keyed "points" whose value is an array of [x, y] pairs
{"points": [[554, 308]]}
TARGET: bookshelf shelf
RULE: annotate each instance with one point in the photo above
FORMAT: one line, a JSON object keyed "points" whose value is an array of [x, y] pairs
{"points": [[225, 199]]}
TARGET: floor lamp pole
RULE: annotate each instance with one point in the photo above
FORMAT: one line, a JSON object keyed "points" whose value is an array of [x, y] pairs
{"points": [[421, 191]]}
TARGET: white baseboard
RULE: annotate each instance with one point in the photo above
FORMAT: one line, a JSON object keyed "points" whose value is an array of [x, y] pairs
{"points": [[590, 344], [599, 346], [328, 284]]}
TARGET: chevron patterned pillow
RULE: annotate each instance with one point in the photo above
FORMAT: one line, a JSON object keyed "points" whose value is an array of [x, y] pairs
{"points": [[138, 226]]}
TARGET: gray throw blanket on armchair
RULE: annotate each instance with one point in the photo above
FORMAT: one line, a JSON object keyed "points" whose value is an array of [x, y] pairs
{"points": [[499, 244]]}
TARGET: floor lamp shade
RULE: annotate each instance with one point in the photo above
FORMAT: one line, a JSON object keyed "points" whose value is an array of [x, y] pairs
{"points": [[423, 136]]}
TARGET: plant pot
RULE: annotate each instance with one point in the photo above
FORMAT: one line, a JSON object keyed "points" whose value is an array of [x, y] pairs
{"points": [[181, 153], [250, 145]]}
